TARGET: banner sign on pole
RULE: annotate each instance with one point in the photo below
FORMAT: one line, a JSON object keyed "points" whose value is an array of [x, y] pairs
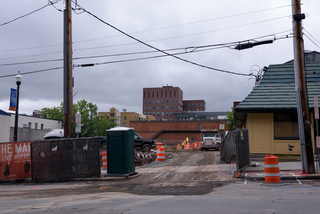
{"points": [[13, 99], [318, 142], [316, 108]]}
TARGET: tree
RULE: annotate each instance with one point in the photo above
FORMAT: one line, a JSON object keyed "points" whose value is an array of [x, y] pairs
{"points": [[90, 124], [230, 119]]}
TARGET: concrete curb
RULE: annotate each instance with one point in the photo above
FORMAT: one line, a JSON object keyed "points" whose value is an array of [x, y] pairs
{"points": [[296, 177]]}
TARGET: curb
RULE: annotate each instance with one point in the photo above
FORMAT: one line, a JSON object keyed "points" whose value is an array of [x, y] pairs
{"points": [[297, 177]]}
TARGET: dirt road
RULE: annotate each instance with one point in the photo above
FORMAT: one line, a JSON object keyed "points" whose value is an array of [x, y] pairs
{"points": [[184, 173]]}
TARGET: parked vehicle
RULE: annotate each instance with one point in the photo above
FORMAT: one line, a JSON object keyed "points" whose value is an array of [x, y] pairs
{"points": [[211, 141], [139, 142]]}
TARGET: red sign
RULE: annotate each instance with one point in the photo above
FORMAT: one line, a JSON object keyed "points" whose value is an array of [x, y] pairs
{"points": [[316, 108], [78, 118], [15, 161]]}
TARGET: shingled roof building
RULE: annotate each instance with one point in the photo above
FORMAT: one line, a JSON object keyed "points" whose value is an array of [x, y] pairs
{"points": [[269, 111]]}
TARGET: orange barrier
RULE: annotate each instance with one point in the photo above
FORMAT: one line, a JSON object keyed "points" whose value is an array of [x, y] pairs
{"points": [[161, 154], [272, 172], [159, 144], [196, 145], [178, 147], [187, 146], [104, 159], [192, 146]]}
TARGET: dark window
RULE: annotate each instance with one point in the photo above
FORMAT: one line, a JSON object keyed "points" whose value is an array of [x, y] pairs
{"points": [[286, 127], [112, 115], [153, 94], [125, 117], [174, 93]]}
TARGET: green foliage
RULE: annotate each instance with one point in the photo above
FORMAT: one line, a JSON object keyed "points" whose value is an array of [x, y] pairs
{"points": [[230, 119], [91, 125]]}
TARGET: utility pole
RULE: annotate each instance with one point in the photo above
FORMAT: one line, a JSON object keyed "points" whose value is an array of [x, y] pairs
{"points": [[67, 70], [301, 91]]}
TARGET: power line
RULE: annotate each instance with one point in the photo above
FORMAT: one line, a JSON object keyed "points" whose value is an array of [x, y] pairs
{"points": [[172, 26], [49, 3], [204, 66], [311, 39], [31, 72]]}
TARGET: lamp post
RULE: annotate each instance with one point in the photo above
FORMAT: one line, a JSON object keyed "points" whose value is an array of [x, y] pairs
{"points": [[18, 82]]}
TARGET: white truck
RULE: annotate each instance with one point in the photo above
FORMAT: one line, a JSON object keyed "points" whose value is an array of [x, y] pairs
{"points": [[211, 141]]}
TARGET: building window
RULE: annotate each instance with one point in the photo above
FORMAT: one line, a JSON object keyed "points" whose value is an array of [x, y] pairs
{"points": [[125, 124], [41, 126], [158, 101], [153, 94], [286, 127], [166, 93], [149, 107], [36, 126], [149, 101], [125, 117], [167, 114], [153, 101], [112, 121], [162, 107], [153, 113], [154, 107], [171, 114], [174, 93], [162, 114], [148, 94], [30, 125], [201, 104], [171, 107], [158, 107], [112, 115], [162, 101], [167, 107], [157, 93], [170, 93], [145, 113], [221, 126], [145, 107], [158, 113], [145, 101]]}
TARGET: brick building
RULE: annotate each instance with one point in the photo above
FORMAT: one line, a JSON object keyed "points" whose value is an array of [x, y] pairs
{"points": [[164, 102], [194, 105], [174, 132], [124, 118]]}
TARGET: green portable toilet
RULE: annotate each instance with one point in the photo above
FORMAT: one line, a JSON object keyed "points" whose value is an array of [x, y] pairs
{"points": [[120, 147]]}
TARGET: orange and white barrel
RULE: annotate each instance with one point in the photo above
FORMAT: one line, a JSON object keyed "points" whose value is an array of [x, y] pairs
{"points": [[192, 146], [159, 144], [161, 154], [104, 159], [178, 147], [196, 145], [272, 172], [187, 146]]}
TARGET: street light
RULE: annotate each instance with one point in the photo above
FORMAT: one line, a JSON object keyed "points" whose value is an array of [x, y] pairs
{"points": [[18, 82]]}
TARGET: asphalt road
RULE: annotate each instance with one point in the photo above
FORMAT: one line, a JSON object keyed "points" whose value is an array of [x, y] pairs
{"points": [[189, 182]]}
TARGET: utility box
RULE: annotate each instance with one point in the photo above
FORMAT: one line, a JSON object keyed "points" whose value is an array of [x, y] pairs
{"points": [[120, 147]]}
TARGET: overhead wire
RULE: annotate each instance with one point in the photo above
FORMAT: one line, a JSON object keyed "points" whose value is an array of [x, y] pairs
{"points": [[49, 3], [31, 72], [315, 43], [164, 52], [172, 26]]}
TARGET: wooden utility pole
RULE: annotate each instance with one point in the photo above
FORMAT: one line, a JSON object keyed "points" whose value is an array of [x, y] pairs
{"points": [[67, 88], [301, 91]]}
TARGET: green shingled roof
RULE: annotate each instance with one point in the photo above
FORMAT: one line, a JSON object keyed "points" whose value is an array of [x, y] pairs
{"points": [[276, 90]]}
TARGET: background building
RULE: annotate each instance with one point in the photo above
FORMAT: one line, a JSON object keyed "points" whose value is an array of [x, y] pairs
{"points": [[123, 119], [165, 102], [194, 105]]}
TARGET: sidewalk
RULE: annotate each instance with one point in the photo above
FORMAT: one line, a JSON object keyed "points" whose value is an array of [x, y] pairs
{"points": [[288, 171]]}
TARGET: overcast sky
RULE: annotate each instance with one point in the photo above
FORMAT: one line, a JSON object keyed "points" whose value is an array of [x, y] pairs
{"points": [[34, 41]]}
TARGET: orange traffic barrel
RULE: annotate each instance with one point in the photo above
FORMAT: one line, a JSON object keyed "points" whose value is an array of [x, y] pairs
{"points": [[104, 159], [159, 144], [272, 172], [192, 146], [196, 145], [161, 154], [187, 146], [178, 147]]}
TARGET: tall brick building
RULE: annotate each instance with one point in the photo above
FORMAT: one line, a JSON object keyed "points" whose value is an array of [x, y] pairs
{"points": [[164, 102]]}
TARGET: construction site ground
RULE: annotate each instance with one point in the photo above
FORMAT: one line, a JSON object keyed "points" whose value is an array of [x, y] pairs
{"points": [[182, 173]]}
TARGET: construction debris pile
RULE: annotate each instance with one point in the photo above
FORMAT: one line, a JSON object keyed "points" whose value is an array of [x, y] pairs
{"points": [[142, 158]]}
